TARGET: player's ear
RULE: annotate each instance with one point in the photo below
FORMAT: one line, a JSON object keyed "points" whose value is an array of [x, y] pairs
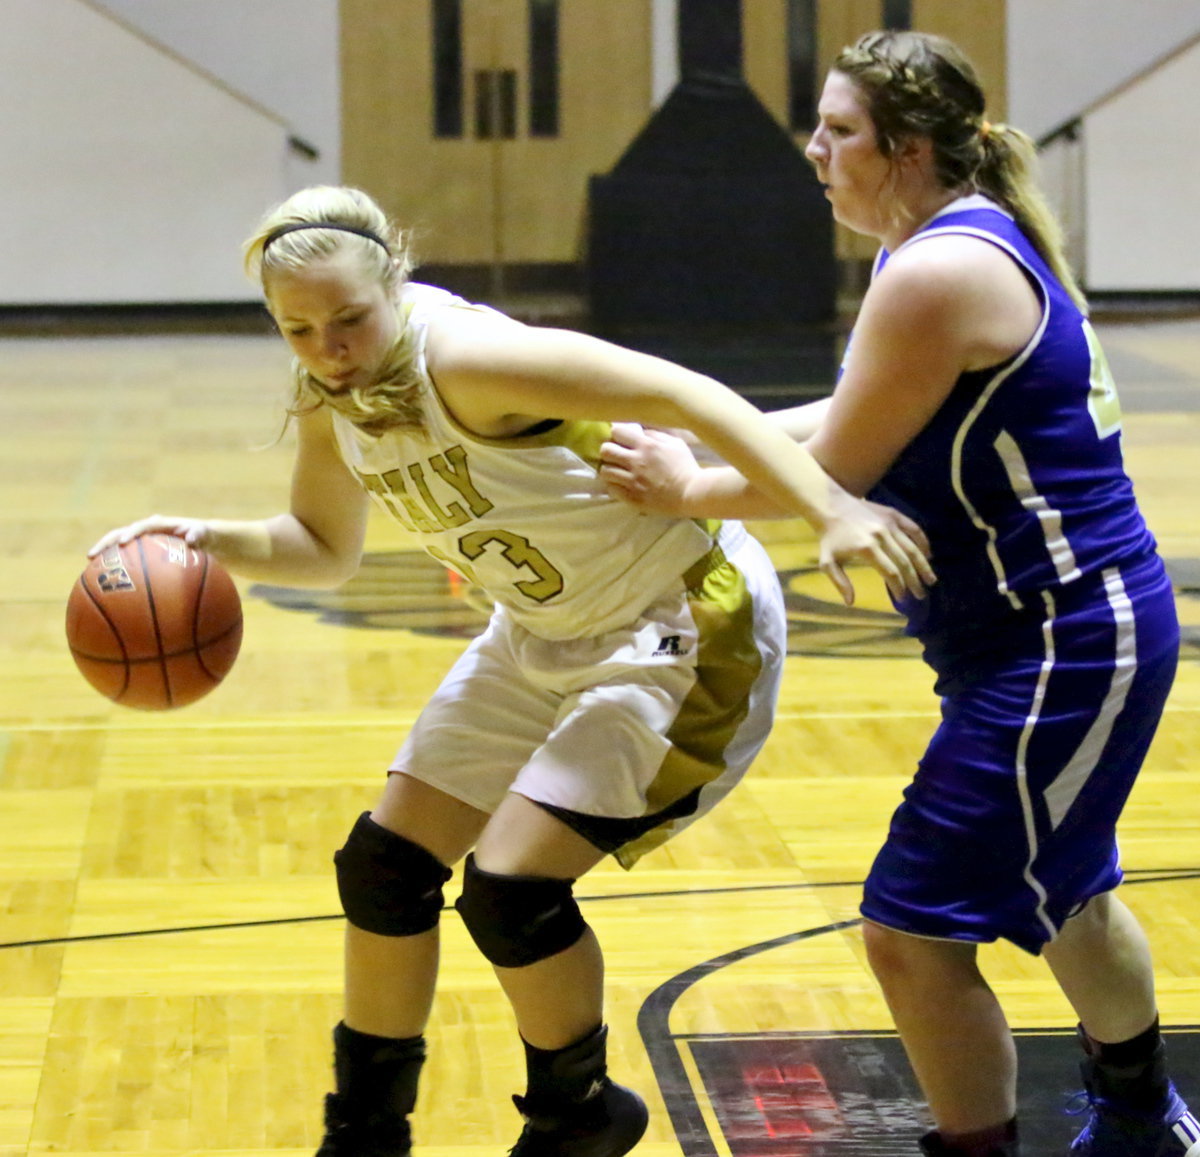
{"points": [[914, 151]]}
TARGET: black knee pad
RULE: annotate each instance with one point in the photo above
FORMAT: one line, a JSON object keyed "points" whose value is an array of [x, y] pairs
{"points": [[518, 920], [388, 884]]}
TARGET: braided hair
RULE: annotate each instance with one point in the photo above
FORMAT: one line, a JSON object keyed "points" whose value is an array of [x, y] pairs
{"points": [[917, 84]]}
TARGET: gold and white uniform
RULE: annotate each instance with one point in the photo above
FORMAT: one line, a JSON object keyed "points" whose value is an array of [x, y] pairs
{"points": [[629, 672]]}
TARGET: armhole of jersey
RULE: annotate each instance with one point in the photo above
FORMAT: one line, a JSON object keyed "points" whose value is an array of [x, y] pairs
{"points": [[1031, 275], [431, 397], [450, 301], [542, 433]]}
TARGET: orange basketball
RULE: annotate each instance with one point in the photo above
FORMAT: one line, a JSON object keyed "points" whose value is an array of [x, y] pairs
{"points": [[155, 623]]}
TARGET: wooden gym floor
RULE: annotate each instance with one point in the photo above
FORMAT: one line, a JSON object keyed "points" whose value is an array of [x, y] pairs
{"points": [[170, 936]]}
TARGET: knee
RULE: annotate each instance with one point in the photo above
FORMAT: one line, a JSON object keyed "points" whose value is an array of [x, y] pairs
{"points": [[1095, 916], [388, 884], [518, 920], [885, 950], [898, 958]]}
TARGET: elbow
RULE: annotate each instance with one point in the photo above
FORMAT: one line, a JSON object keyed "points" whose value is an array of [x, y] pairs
{"points": [[853, 481], [338, 571], [330, 559], [325, 571]]}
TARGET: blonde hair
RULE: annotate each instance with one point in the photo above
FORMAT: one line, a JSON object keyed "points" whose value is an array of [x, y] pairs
{"points": [[393, 400], [916, 84]]}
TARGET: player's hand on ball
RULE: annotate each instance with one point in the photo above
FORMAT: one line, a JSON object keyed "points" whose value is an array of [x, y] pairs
{"points": [[194, 531]]}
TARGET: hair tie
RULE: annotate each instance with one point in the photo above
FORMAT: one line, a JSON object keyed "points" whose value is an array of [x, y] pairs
{"points": [[985, 129], [275, 234]]}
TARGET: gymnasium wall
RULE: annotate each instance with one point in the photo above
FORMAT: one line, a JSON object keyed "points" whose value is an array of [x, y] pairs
{"points": [[143, 137], [1123, 160], [1141, 173], [281, 54], [130, 175], [1066, 55]]}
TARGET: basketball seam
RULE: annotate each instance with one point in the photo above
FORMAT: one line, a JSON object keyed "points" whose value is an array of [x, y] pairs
{"points": [[196, 607], [127, 662], [199, 652], [237, 626], [112, 626], [152, 605]]}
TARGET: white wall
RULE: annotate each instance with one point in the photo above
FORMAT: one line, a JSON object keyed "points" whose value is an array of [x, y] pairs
{"points": [[126, 176], [282, 54], [664, 49], [1141, 176], [130, 175], [1125, 189], [1064, 55]]}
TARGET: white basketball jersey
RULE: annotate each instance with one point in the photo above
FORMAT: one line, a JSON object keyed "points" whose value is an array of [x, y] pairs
{"points": [[526, 519]]}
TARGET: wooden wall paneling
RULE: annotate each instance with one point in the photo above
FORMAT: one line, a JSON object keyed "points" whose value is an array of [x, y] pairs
{"points": [[764, 54], [979, 28], [841, 22], [478, 201], [438, 187], [525, 200], [604, 95]]}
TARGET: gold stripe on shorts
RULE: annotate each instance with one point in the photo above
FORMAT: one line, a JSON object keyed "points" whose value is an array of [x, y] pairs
{"points": [[727, 666]]}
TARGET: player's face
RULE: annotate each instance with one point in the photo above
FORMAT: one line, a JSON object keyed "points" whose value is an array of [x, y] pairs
{"points": [[337, 317], [845, 152]]}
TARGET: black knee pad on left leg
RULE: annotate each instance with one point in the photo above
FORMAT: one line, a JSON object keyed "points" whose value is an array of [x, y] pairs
{"points": [[388, 884], [518, 920]]}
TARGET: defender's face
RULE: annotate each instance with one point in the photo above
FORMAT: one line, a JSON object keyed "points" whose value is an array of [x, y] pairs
{"points": [[338, 319], [845, 152]]}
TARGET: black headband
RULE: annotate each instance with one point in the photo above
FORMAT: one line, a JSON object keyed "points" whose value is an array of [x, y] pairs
{"points": [[275, 234]]}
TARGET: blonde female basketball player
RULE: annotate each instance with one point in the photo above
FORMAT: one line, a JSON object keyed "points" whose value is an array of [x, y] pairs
{"points": [[624, 683]]}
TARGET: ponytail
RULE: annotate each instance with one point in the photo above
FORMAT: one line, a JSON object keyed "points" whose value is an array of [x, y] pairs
{"points": [[918, 85], [1007, 173]]}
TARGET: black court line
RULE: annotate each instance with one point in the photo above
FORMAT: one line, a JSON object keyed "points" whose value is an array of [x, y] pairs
{"points": [[283, 921], [1132, 876], [665, 1057], [663, 1047], [818, 1033]]}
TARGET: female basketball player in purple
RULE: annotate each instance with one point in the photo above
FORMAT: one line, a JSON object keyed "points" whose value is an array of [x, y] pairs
{"points": [[975, 397], [625, 682]]}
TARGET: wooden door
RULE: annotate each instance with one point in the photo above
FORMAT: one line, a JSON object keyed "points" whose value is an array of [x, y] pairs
{"points": [[548, 94]]}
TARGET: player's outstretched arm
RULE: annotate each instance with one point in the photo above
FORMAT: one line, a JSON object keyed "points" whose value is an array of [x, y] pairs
{"points": [[656, 471], [801, 422], [488, 370], [317, 542]]}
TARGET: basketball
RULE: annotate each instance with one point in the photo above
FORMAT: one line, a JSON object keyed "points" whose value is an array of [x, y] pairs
{"points": [[155, 623]]}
